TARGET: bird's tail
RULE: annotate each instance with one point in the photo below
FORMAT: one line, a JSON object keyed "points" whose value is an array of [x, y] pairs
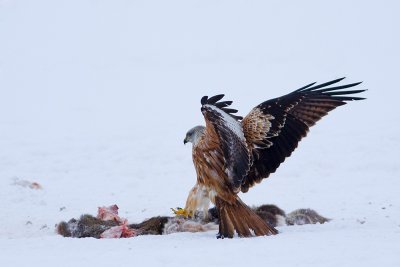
{"points": [[239, 217]]}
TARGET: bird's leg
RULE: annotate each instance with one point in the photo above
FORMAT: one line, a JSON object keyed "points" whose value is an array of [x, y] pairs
{"points": [[220, 230]]}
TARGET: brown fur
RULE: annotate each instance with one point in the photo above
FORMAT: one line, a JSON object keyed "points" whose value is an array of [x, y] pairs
{"points": [[152, 226], [86, 226]]}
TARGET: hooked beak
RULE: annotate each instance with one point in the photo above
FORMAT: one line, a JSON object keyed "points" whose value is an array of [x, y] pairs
{"points": [[185, 141]]}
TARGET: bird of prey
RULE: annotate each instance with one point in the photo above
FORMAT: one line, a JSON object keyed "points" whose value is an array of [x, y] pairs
{"points": [[231, 153]]}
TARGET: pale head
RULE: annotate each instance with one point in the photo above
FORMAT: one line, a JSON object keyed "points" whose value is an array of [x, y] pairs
{"points": [[194, 135]]}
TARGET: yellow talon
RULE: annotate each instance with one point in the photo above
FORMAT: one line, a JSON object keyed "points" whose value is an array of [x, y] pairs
{"points": [[181, 212]]}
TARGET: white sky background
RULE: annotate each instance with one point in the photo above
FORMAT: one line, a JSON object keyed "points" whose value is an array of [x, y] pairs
{"points": [[75, 55], [96, 98]]}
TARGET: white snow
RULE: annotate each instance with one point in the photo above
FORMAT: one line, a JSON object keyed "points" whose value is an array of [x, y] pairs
{"points": [[96, 98]]}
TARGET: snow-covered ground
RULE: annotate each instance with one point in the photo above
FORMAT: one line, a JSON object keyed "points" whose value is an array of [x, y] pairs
{"points": [[96, 97]]}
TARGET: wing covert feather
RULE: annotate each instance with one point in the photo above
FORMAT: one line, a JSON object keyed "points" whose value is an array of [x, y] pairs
{"points": [[231, 139]]}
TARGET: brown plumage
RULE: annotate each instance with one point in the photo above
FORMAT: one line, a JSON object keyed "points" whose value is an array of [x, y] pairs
{"points": [[232, 154]]}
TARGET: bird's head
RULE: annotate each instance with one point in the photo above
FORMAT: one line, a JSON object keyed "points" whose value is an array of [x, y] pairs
{"points": [[194, 134]]}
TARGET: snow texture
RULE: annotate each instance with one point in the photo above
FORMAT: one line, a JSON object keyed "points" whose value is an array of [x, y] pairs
{"points": [[96, 98]]}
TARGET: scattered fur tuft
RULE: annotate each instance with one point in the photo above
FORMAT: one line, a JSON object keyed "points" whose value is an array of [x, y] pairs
{"points": [[179, 224], [305, 216]]}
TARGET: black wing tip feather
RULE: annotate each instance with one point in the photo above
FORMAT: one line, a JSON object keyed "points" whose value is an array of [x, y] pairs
{"points": [[334, 92], [203, 100], [223, 105]]}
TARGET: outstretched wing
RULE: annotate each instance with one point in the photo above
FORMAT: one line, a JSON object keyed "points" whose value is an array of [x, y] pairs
{"points": [[274, 128], [221, 123]]}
